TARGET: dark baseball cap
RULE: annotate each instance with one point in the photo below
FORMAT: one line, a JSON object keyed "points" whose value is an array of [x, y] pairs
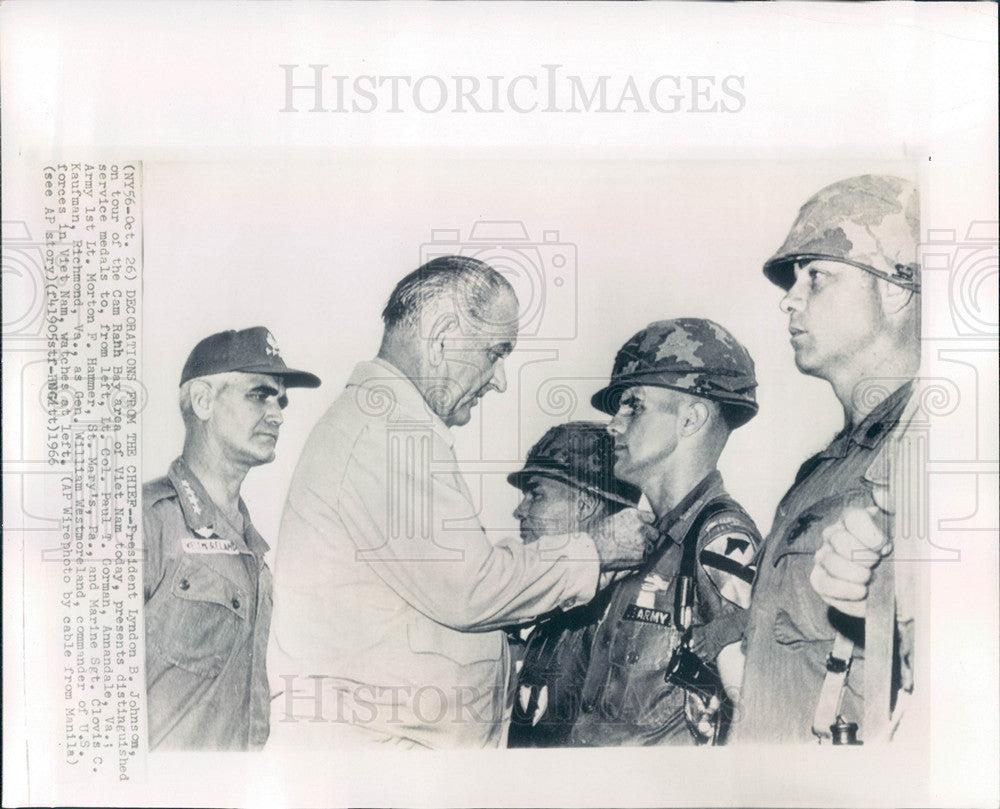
{"points": [[580, 453], [250, 351]]}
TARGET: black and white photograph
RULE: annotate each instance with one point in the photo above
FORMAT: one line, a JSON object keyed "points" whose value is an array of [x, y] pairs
{"points": [[390, 388]]}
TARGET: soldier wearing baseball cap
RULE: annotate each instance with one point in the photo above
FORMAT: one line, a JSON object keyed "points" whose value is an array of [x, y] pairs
{"points": [[677, 389], [568, 484], [250, 351], [206, 587], [850, 273]]}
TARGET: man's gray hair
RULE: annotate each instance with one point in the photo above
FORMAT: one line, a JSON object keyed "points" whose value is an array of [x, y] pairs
{"points": [[217, 382], [472, 285]]}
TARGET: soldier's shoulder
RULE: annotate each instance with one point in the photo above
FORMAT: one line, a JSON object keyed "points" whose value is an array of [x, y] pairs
{"points": [[729, 518], [155, 491]]}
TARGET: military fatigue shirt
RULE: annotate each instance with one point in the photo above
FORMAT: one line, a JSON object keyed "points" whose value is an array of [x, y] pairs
{"points": [[556, 655], [625, 698], [791, 629], [207, 598]]}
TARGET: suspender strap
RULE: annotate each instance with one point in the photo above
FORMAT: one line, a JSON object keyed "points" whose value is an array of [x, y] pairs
{"points": [[685, 590]]}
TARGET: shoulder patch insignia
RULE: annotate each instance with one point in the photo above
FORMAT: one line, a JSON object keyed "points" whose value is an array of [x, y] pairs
{"points": [[728, 561], [736, 544]]}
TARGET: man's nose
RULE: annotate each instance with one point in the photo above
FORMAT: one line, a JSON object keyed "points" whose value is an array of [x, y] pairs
{"points": [[614, 426], [792, 301], [521, 511], [499, 380], [274, 415]]}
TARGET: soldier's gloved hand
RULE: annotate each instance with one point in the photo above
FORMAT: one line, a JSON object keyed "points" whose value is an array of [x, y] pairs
{"points": [[624, 539], [851, 549]]}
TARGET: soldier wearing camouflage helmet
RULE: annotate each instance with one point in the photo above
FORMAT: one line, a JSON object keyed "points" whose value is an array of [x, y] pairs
{"points": [[568, 484], [830, 633], [677, 390]]}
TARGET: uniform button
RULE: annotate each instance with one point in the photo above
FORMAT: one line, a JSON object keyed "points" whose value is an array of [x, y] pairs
{"points": [[605, 641], [185, 584], [236, 603], [632, 657], [588, 706]]}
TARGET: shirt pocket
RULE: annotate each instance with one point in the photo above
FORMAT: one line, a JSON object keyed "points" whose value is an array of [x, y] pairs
{"points": [[642, 646], [202, 620], [803, 532]]}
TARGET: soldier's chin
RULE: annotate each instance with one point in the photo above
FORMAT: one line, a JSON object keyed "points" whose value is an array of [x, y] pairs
{"points": [[806, 364], [528, 535], [622, 471]]}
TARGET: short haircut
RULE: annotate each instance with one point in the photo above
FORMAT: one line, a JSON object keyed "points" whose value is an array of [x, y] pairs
{"points": [[218, 383], [184, 396], [472, 285], [723, 415]]}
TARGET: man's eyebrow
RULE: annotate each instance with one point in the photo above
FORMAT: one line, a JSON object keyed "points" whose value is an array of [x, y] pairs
{"points": [[830, 268], [265, 389]]}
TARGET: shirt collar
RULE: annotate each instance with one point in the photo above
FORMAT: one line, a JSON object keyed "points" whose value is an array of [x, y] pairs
{"points": [[676, 522], [202, 515], [870, 432], [391, 393]]}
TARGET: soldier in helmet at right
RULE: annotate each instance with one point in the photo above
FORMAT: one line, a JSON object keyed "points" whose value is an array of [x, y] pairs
{"points": [[831, 622], [678, 388]]}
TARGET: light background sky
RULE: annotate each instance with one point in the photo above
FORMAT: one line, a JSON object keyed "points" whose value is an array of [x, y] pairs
{"points": [[313, 249]]}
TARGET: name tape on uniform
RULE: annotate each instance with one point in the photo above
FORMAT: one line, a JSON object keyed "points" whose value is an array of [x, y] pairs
{"points": [[647, 615], [214, 545]]}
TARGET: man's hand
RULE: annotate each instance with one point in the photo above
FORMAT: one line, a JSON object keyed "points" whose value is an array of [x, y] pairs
{"points": [[851, 548], [624, 539], [701, 715]]}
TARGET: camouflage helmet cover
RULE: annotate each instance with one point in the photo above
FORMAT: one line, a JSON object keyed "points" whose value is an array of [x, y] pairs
{"points": [[692, 355], [580, 453], [871, 222]]}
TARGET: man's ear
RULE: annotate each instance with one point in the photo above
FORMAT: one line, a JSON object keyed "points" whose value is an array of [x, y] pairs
{"points": [[587, 504], [202, 399], [693, 416], [441, 328], [893, 297]]}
